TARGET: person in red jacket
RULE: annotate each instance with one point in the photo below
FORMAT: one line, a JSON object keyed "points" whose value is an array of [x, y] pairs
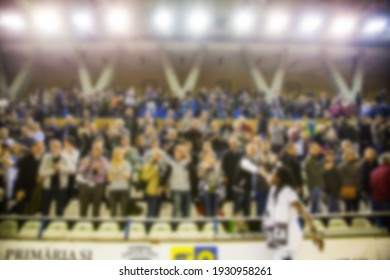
{"points": [[380, 190]]}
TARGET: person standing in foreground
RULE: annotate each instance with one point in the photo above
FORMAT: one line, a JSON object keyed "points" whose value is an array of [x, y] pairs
{"points": [[281, 224]]}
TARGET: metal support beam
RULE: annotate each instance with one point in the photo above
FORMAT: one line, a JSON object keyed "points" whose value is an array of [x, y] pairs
{"points": [[193, 75], [84, 79], [278, 79], [172, 79], [170, 75], [259, 79], [22, 78], [358, 74], [347, 90], [107, 75]]}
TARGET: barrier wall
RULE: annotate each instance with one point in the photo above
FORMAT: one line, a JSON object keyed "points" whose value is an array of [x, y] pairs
{"points": [[348, 248]]}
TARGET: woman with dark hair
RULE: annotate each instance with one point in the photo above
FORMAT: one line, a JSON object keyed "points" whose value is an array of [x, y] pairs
{"points": [[281, 225]]}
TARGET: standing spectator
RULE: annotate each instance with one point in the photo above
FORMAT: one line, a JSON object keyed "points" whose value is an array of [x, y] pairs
{"points": [[92, 177], [155, 174], [69, 130], [27, 179], [72, 155], [368, 164], [243, 185], [52, 132], [314, 172], [333, 183], [179, 182], [54, 171], [131, 123], [380, 189], [277, 133], [290, 160], [210, 183], [230, 161], [350, 181], [118, 177], [365, 135]]}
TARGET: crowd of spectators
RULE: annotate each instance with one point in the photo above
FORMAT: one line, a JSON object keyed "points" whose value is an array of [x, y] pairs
{"points": [[206, 148]]}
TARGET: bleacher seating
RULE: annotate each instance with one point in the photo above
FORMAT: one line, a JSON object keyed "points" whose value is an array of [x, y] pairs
{"points": [[212, 230], [82, 231], [8, 229], [30, 230], [187, 231], [160, 231], [137, 231], [109, 231], [56, 230]]}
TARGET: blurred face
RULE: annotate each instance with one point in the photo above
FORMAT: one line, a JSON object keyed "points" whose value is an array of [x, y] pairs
{"points": [[369, 154], [314, 150], [97, 151], [233, 144], [67, 145], [117, 155], [125, 141], [178, 153], [349, 156], [156, 155], [250, 150], [38, 148], [55, 147], [329, 158], [292, 150]]}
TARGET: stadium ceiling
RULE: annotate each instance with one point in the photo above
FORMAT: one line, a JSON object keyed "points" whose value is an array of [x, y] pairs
{"points": [[321, 21]]}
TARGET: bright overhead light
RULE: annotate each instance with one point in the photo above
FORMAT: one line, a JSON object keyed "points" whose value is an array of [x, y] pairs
{"points": [[117, 20], [198, 21], [13, 22], [47, 21], [374, 26], [342, 26], [277, 22], [163, 21], [243, 22], [310, 24], [83, 21]]}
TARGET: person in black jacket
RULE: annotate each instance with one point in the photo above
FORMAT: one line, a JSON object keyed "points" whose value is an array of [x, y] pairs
{"points": [[290, 160], [368, 164], [365, 135], [332, 182], [230, 161], [27, 179]]}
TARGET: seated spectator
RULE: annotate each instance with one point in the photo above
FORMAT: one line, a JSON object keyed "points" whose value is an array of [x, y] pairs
{"points": [[92, 178]]}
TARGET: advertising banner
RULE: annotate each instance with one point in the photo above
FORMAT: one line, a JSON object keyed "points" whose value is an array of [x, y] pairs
{"points": [[353, 248]]}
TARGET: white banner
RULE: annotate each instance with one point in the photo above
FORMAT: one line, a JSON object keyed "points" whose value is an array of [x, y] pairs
{"points": [[121, 270], [353, 248]]}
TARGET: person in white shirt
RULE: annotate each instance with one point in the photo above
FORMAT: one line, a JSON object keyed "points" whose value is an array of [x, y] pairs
{"points": [[119, 183], [281, 225], [72, 155]]}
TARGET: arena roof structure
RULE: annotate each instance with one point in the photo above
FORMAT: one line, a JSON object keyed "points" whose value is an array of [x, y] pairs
{"points": [[268, 46]]}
